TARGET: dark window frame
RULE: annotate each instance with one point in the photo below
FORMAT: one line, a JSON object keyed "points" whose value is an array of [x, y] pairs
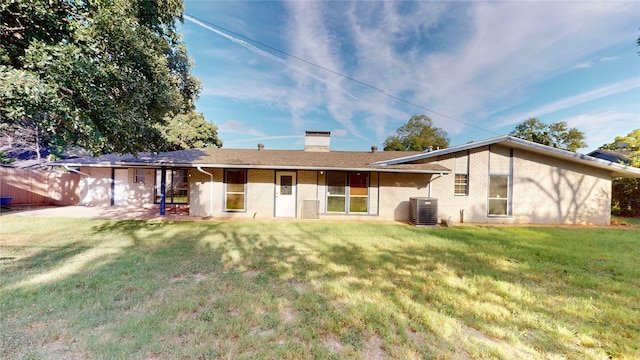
{"points": [[172, 192]]}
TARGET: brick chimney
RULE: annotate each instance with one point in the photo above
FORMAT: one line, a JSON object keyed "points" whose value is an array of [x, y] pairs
{"points": [[317, 141]]}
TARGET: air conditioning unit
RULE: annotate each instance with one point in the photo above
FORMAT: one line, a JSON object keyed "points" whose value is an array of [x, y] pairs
{"points": [[424, 211]]}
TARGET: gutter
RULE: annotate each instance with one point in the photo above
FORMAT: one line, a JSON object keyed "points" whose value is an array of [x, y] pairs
{"points": [[265, 167], [211, 191], [81, 173]]}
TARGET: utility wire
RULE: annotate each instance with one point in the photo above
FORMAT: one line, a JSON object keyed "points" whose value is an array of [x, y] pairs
{"points": [[383, 92]]}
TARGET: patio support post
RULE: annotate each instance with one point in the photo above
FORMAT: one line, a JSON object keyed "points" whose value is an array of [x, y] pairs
{"points": [[163, 190]]}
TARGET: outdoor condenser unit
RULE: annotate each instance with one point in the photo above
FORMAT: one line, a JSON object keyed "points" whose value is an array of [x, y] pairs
{"points": [[424, 211]]}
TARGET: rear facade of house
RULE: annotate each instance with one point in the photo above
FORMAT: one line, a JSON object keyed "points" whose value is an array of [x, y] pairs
{"points": [[502, 180]]}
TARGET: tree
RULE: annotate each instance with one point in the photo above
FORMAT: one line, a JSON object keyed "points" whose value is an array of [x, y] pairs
{"points": [[5, 159], [190, 130], [25, 135], [98, 74], [625, 199], [557, 135], [418, 134]]}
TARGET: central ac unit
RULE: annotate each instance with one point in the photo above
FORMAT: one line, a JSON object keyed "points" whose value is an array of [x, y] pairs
{"points": [[424, 211]]}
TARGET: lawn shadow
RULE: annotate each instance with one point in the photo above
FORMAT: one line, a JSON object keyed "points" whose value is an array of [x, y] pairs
{"points": [[290, 293]]}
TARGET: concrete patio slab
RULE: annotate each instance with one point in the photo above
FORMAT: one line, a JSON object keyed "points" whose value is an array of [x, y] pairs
{"points": [[113, 212]]}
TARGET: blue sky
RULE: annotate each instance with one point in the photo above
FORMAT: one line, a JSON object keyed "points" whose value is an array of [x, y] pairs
{"points": [[475, 68]]}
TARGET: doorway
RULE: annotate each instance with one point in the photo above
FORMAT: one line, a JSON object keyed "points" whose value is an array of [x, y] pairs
{"points": [[285, 194]]}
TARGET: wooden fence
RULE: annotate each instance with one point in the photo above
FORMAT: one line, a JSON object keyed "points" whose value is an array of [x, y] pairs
{"points": [[39, 187]]}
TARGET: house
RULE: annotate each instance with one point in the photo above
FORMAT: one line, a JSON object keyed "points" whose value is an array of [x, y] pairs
{"points": [[617, 156], [498, 180]]}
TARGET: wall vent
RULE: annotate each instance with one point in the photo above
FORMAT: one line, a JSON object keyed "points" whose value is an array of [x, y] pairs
{"points": [[311, 209]]}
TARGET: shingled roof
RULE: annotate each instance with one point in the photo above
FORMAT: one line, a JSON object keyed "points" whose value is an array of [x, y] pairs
{"points": [[262, 159]]}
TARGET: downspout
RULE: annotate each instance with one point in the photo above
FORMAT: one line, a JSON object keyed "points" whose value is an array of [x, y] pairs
{"points": [[210, 192], [81, 173], [430, 180]]}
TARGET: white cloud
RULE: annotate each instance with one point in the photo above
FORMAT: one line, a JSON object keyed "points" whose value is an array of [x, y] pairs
{"points": [[239, 127], [233, 39], [467, 60], [602, 127], [339, 133], [571, 101], [584, 65], [265, 138]]}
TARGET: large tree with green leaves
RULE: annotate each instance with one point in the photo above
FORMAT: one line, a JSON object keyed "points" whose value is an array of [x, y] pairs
{"points": [[625, 199], [101, 74], [418, 134], [557, 135], [190, 130]]}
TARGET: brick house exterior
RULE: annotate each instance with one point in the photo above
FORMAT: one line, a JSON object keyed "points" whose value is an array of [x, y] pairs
{"points": [[499, 180]]}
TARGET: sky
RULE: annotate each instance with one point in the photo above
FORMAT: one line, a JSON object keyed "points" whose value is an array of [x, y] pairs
{"points": [[361, 69]]}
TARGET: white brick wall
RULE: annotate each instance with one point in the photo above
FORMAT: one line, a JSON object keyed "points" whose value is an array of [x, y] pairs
{"points": [[545, 191]]}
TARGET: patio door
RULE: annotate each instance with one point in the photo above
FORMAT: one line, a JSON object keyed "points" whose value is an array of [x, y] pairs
{"points": [[120, 187], [285, 194]]}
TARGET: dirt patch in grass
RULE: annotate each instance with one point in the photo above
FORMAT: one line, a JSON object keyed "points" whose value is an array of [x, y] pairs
{"points": [[334, 346], [373, 348]]}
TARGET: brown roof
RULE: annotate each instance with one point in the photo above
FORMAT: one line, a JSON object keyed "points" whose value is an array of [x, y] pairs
{"points": [[262, 159]]}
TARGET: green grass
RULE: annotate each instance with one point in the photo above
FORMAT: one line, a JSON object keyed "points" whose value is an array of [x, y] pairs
{"points": [[160, 290]]}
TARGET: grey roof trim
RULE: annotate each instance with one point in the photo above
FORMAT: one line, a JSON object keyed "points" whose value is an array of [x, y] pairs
{"points": [[446, 151], [250, 166], [617, 170]]}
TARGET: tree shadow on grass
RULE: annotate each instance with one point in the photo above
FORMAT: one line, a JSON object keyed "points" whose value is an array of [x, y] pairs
{"points": [[308, 290], [513, 306]]}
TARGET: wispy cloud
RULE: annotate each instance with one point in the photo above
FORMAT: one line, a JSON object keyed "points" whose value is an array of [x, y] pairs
{"points": [[233, 39], [603, 126], [468, 60], [264, 138], [571, 101], [339, 133], [239, 127]]}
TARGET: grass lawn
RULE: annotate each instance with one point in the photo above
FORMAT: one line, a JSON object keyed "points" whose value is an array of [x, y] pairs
{"points": [[94, 289]]}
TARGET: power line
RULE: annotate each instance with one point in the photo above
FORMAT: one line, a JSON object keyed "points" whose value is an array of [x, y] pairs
{"points": [[383, 92]]}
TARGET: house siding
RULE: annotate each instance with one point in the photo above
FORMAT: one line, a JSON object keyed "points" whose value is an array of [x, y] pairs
{"points": [[395, 191], [548, 191], [544, 191], [96, 190], [261, 194], [307, 189]]}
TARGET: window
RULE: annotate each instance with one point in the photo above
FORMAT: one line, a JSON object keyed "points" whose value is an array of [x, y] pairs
{"points": [[235, 188], [176, 186], [347, 192], [286, 185], [336, 191], [498, 194], [139, 176], [358, 192], [461, 184], [500, 172]]}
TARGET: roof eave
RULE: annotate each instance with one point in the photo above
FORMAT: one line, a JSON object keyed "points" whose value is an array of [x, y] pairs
{"points": [[616, 169], [251, 166]]}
